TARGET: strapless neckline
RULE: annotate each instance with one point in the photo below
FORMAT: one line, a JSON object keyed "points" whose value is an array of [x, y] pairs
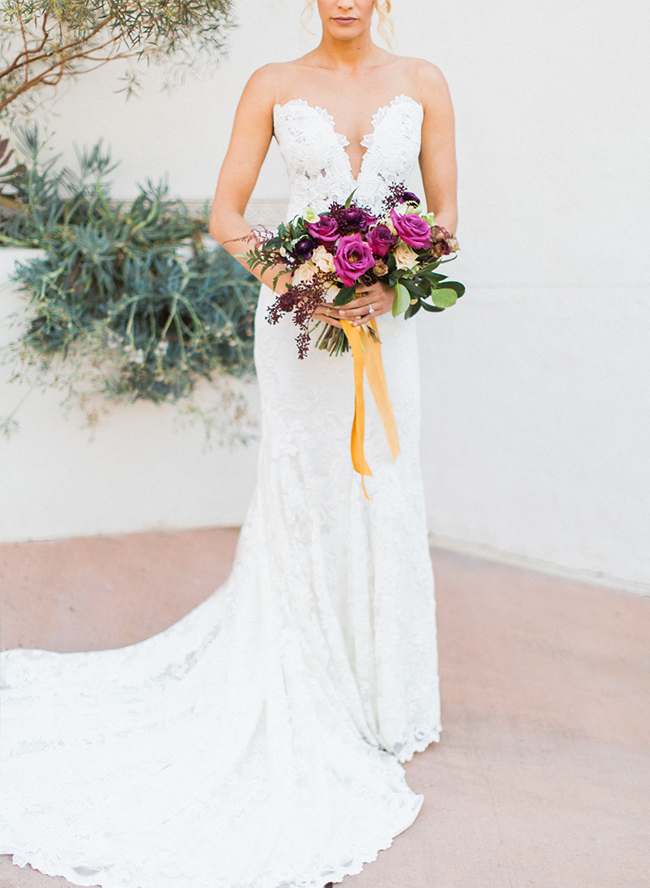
{"points": [[366, 141]]}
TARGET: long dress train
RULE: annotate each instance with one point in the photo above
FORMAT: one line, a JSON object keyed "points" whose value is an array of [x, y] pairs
{"points": [[257, 742]]}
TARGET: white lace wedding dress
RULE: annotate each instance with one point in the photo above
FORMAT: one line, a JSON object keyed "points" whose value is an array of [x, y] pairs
{"points": [[257, 743]]}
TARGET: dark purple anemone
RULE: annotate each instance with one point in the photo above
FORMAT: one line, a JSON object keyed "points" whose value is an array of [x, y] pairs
{"points": [[410, 198], [303, 248], [398, 194]]}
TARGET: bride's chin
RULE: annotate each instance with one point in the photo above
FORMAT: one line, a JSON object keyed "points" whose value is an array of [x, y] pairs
{"points": [[345, 32], [344, 29]]}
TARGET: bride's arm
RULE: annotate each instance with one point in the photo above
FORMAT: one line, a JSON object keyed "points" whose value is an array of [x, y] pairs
{"points": [[438, 153], [251, 136]]}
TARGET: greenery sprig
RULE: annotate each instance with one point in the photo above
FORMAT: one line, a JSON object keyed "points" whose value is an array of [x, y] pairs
{"points": [[43, 42]]}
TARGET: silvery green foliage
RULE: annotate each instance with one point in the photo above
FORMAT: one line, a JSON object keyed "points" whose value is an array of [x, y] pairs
{"points": [[127, 301]]}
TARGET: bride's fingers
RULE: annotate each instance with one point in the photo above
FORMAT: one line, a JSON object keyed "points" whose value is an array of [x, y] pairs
{"points": [[357, 305], [361, 310], [358, 301], [320, 315], [326, 309]]}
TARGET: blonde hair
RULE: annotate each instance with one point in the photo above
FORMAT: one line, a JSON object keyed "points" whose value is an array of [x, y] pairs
{"points": [[385, 22], [385, 28]]}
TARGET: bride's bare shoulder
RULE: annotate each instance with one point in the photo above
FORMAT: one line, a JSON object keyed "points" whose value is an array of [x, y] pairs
{"points": [[271, 79], [431, 81], [417, 77], [422, 71]]}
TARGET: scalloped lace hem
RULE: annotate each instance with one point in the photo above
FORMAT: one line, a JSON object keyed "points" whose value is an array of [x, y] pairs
{"points": [[406, 754], [364, 852]]}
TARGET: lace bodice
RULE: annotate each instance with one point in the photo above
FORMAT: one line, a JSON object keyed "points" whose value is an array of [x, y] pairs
{"points": [[319, 166]]}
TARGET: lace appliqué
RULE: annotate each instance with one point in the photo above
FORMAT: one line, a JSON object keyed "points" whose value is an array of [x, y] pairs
{"points": [[319, 166]]}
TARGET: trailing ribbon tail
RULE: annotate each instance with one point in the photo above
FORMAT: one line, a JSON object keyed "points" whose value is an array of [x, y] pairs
{"points": [[366, 354], [379, 389]]}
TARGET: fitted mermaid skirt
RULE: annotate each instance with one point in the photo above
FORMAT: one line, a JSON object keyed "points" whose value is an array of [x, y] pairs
{"points": [[257, 742]]}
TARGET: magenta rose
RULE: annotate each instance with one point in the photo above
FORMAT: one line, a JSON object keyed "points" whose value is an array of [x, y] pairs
{"points": [[353, 258], [326, 230], [413, 229], [380, 239]]}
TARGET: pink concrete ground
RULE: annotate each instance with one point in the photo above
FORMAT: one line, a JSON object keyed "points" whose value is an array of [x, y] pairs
{"points": [[542, 777]]}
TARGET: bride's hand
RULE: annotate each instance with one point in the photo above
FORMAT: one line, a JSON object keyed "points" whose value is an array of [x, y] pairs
{"points": [[327, 312], [372, 301]]}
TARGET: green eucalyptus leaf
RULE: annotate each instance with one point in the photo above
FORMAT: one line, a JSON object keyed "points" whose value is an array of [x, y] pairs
{"points": [[444, 298], [458, 288], [401, 300]]}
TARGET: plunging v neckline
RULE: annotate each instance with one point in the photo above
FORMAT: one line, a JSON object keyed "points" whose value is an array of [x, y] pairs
{"points": [[366, 142]]}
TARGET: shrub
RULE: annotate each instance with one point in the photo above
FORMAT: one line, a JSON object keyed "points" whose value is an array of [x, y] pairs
{"points": [[126, 302]]}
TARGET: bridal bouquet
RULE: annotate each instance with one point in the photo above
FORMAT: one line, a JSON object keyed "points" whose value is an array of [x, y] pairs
{"points": [[330, 254]]}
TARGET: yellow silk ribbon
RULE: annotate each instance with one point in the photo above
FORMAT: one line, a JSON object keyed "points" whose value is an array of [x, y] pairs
{"points": [[366, 355]]}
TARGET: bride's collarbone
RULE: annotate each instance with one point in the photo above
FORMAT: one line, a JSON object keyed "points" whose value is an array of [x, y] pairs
{"points": [[352, 102]]}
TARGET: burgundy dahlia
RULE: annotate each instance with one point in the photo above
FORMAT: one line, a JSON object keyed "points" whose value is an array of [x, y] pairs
{"points": [[356, 219]]}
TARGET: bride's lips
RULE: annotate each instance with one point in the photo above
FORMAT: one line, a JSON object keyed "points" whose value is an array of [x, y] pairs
{"points": [[344, 21]]}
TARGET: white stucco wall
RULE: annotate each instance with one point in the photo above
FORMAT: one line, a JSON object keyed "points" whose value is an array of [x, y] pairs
{"points": [[140, 469], [536, 434]]}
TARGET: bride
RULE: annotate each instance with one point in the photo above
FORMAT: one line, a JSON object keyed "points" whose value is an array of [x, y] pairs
{"points": [[257, 742]]}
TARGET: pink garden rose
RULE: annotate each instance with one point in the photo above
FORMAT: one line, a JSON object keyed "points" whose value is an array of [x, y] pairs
{"points": [[413, 229], [353, 258], [380, 239], [326, 230]]}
